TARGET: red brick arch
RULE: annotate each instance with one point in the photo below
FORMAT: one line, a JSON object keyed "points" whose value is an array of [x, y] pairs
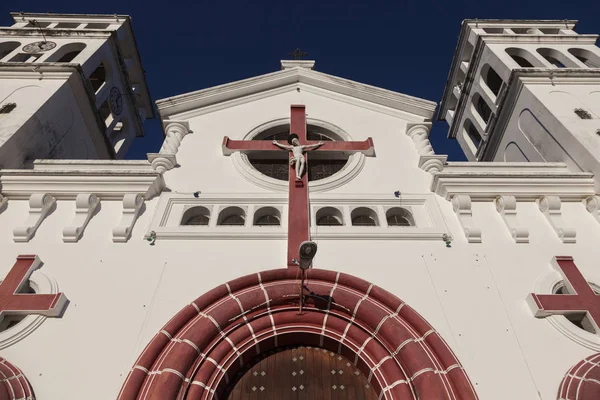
{"points": [[14, 383], [582, 381], [200, 350]]}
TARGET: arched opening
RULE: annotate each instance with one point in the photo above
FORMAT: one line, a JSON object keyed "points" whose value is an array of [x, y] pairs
{"points": [[472, 134], [267, 216], [232, 216], [524, 58], [398, 216], [329, 216], [587, 57], [364, 216], [491, 79], [556, 58], [67, 52], [481, 107], [8, 47], [212, 339], [98, 77], [198, 215]]}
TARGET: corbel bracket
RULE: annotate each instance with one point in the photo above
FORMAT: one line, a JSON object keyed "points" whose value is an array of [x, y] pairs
{"points": [[462, 207], [550, 207], [507, 207], [132, 204], [85, 206], [40, 205]]}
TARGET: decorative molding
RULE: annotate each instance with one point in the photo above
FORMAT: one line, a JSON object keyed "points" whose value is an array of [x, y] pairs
{"points": [[41, 284], [85, 206], [65, 179], [428, 160], [132, 204], [186, 105], [525, 181], [507, 207], [287, 64], [40, 205], [545, 284], [550, 207], [462, 207], [430, 224], [592, 204], [165, 159]]}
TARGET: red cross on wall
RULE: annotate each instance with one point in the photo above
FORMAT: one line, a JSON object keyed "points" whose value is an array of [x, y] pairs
{"points": [[581, 297], [298, 215], [14, 303]]}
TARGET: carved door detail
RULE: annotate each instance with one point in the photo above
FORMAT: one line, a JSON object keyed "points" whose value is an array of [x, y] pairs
{"points": [[303, 373]]}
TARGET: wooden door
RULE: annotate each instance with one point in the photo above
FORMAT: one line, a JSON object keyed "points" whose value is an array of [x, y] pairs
{"points": [[303, 373]]}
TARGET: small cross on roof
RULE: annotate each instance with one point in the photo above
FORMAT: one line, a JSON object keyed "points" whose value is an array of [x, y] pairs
{"points": [[298, 54]]}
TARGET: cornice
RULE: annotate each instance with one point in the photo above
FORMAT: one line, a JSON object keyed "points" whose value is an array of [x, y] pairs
{"points": [[231, 91], [524, 181], [27, 32], [539, 39], [64, 180]]}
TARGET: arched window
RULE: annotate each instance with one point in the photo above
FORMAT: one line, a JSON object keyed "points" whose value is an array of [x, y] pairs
{"points": [[491, 79], [472, 132], [67, 52], [587, 57], [364, 216], [329, 216], [232, 216], [398, 216], [8, 47], [98, 77], [196, 216], [524, 58], [267, 216], [482, 108], [556, 58]]}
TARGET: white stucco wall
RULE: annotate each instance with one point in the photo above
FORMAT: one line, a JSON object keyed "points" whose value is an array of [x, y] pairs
{"points": [[122, 294]]}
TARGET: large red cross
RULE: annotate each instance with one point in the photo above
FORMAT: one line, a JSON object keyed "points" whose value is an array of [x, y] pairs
{"points": [[14, 303], [298, 216], [581, 299]]}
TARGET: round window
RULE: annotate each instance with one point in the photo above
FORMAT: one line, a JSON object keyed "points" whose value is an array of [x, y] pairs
{"points": [[275, 164]]}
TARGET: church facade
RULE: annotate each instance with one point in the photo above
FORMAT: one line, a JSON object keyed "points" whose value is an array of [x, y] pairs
{"points": [[296, 236]]}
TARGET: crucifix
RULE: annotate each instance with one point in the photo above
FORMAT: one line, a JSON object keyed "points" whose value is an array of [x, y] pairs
{"points": [[298, 215], [580, 299], [12, 302]]}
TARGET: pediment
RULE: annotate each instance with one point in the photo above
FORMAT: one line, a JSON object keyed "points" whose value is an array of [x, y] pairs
{"points": [[206, 100]]}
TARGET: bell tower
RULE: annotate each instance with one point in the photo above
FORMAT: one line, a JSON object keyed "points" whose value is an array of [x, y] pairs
{"points": [[522, 90], [71, 87]]}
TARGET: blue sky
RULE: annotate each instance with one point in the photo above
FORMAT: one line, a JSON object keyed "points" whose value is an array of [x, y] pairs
{"points": [[405, 46]]}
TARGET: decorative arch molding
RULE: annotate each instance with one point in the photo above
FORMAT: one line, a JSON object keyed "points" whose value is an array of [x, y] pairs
{"points": [[581, 381], [352, 168], [15, 385], [199, 351]]}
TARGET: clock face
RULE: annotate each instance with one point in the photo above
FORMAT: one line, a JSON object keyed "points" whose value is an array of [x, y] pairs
{"points": [[39, 47], [115, 100]]}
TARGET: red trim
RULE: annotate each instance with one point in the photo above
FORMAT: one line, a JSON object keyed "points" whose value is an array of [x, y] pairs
{"points": [[15, 303], [585, 300], [209, 340], [14, 385], [581, 381]]}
